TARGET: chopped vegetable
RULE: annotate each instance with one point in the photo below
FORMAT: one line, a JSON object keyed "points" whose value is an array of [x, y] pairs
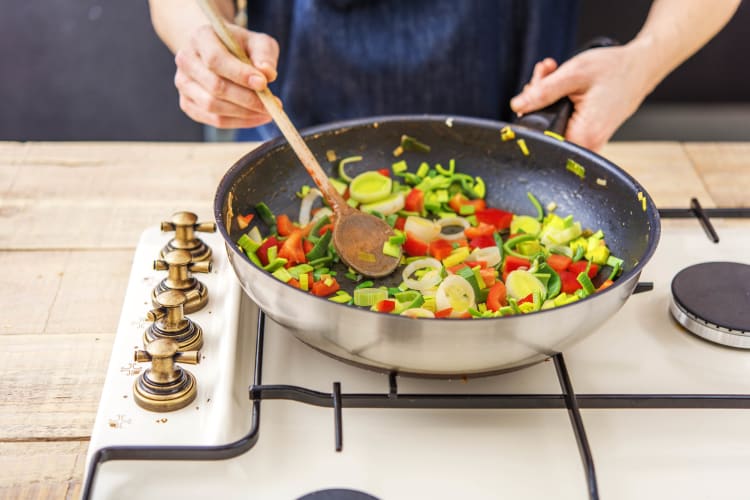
{"points": [[461, 257], [523, 147], [343, 163], [576, 168]]}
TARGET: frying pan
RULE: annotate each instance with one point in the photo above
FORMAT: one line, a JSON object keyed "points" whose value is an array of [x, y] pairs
{"points": [[607, 198]]}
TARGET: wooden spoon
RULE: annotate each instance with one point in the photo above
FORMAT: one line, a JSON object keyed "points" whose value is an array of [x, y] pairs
{"points": [[357, 236]]}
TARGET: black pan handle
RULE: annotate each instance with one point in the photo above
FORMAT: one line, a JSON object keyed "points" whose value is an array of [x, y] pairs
{"points": [[555, 116]]}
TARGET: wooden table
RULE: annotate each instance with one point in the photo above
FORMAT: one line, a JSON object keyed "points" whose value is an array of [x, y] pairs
{"points": [[70, 217]]}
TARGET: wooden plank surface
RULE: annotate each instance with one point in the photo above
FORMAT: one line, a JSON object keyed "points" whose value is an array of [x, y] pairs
{"points": [[724, 169], [41, 470], [70, 217], [664, 169], [50, 385], [102, 195]]}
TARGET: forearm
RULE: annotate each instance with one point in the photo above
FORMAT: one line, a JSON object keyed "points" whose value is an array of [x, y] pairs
{"points": [[674, 30], [175, 20]]}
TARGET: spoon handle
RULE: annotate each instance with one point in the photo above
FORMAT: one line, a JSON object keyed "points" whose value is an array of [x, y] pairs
{"points": [[277, 113]]}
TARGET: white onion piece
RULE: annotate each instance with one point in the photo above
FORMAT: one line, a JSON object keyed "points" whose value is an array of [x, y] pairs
{"points": [[306, 206], [490, 255], [450, 222], [321, 213], [418, 312], [424, 229], [254, 234], [431, 277], [455, 292]]}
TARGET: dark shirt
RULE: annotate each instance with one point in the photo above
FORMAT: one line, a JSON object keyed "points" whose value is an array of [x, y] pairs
{"points": [[354, 58]]}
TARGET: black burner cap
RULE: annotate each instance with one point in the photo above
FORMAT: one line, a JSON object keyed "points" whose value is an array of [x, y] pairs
{"points": [[715, 292], [337, 494]]}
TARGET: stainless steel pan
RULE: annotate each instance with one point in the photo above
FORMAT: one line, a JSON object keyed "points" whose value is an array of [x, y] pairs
{"points": [[445, 347]]}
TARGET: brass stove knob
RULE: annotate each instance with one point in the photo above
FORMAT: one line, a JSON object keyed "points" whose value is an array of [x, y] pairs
{"points": [[185, 225], [179, 265], [169, 321], [165, 386]]}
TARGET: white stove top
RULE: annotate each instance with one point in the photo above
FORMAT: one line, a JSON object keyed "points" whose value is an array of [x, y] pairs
{"points": [[421, 453]]}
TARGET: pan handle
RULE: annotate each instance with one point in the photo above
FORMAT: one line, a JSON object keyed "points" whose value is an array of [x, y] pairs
{"points": [[555, 116]]}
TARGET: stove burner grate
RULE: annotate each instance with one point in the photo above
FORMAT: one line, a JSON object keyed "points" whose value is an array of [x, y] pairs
{"points": [[712, 300]]}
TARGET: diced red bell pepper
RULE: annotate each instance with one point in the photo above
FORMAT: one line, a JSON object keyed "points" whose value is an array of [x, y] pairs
{"points": [[324, 228], [293, 282], [483, 229], [580, 266], [414, 201], [262, 251], [307, 245], [528, 298], [559, 262], [385, 305], [414, 246], [512, 263], [458, 200], [444, 313], [320, 289], [440, 249], [482, 242], [292, 249], [497, 296], [385, 172], [284, 225], [495, 217], [456, 268], [569, 281], [400, 223]]}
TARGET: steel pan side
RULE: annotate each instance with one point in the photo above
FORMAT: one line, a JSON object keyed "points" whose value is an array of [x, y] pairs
{"points": [[426, 347]]}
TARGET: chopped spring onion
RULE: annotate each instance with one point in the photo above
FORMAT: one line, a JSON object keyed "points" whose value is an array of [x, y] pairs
{"points": [[453, 222], [525, 224], [369, 296], [554, 135], [424, 229], [575, 167], [409, 143], [370, 186], [341, 297], [429, 279], [490, 255], [343, 163], [520, 284], [522, 145], [418, 312], [389, 205], [392, 249], [507, 134], [455, 292], [585, 281], [537, 206]]}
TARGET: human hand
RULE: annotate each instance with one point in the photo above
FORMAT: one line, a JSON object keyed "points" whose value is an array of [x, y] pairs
{"points": [[218, 89], [606, 86]]}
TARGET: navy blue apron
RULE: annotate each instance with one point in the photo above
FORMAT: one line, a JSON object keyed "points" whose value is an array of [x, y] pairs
{"points": [[354, 58]]}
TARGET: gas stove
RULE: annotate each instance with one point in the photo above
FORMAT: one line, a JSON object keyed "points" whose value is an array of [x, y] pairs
{"points": [[642, 408]]}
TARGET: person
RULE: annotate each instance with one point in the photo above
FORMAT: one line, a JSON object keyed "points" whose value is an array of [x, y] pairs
{"points": [[335, 59]]}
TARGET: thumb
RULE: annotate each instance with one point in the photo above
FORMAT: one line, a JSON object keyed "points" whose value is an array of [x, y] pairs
{"points": [[545, 91]]}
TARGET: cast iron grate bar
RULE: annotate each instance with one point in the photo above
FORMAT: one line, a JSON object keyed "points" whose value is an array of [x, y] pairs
{"points": [[704, 215]]}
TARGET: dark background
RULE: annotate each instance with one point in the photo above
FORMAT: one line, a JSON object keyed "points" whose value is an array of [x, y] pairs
{"points": [[94, 70]]}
